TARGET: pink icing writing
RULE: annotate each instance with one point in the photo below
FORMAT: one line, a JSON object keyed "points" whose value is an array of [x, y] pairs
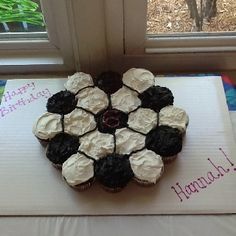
{"points": [[184, 192], [9, 95], [28, 98]]}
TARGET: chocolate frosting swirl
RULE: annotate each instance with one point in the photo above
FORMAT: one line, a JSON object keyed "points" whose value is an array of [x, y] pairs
{"points": [[156, 97], [164, 141], [62, 102], [113, 171], [61, 147], [109, 82]]}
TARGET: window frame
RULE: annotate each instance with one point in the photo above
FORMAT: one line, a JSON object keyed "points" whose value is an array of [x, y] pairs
{"points": [[97, 40], [126, 28], [40, 54]]}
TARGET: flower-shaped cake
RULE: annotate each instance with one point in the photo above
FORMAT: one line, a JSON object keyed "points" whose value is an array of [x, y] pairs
{"points": [[112, 129]]}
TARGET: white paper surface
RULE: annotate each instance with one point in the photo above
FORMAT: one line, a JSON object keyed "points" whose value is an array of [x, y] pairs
{"points": [[29, 185]]}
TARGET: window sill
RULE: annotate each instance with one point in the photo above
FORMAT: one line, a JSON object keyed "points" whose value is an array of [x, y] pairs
{"points": [[32, 62]]}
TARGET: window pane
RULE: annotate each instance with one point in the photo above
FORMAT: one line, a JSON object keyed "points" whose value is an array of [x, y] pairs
{"points": [[21, 16], [177, 16]]}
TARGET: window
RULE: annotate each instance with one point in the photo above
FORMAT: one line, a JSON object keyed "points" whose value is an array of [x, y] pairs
{"points": [[29, 45], [163, 51], [93, 36], [18, 16], [184, 16]]}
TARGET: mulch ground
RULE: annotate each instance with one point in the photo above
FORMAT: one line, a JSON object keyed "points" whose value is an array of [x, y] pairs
{"points": [[171, 16]]}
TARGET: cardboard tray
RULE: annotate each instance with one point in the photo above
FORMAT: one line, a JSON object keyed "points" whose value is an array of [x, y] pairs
{"points": [[201, 181]]}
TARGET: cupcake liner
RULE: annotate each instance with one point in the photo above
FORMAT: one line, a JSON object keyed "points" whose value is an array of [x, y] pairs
{"points": [[57, 166], [85, 185], [112, 190], [144, 183], [169, 159], [43, 142]]}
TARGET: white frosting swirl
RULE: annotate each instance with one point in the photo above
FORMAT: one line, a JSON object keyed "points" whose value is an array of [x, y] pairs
{"points": [[146, 165], [138, 79], [174, 117], [96, 144], [125, 100], [128, 141], [47, 126], [77, 169], [92, 99], [78, 81], [78, 122], [142, 120]]}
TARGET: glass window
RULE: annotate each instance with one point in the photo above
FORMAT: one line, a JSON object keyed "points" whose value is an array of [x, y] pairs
{"points": [[180, 16], [172, 35], [21, 18], [36, 35]]}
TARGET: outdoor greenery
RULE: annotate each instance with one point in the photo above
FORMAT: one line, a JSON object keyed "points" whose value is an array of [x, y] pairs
{"points": [[20, 11], [2, 86]]}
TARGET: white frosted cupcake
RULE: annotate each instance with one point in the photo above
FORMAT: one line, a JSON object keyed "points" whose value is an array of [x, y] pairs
{"points": [[92, 99], [174, 117], [97, 144], [125, 100], [143, 120], [128, 141], [138, 79], [47, 126], [147, 167], [78, 171], [79, 122], [78, 81]]}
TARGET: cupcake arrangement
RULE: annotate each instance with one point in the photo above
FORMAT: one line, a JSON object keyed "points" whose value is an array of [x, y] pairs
{"points": [[111, 129]]}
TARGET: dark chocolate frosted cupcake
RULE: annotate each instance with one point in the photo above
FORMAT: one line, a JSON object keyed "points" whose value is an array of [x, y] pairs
{"points": [[110, 120], [165, 141], [61, 147], [156, 97], [113, 172], [109, 82], [62, 102]]}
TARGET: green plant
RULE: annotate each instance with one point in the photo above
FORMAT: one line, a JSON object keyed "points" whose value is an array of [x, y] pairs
{"points": [[20, 11]]}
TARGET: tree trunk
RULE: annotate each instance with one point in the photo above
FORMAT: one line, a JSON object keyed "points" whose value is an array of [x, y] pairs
{"points": [[192, 6], [210, 9]]}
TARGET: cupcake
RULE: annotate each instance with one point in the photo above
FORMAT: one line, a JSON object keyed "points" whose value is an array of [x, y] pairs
{"points": [[174, 117], [92, 100], [110, 120], [156, 98], [147, 167], [143, 120], [78, 81], [62, 103], [128, 141], [97, 144], [78, 171], [109, 82], [46, 127], [125, 100], [61, 147], [165, 141], [138, 79], [113, 172], [79, 122]]}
